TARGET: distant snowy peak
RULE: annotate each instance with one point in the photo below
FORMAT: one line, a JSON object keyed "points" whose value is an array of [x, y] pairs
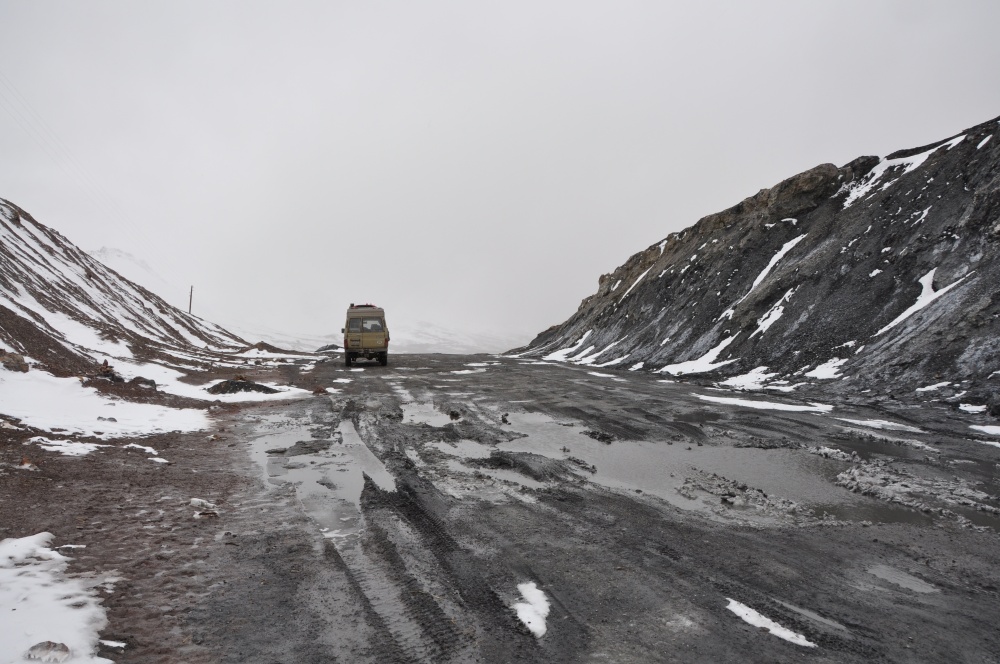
{"points": [[65, 308], [880, 273]]}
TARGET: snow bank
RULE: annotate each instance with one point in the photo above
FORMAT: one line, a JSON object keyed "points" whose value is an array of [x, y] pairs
{"points": [[758, 620], [39, 602], [563, 355], [534, 609], [46, 402]]}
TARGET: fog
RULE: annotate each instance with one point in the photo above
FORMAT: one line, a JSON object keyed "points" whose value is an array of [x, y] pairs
{"points": [[472, 166]]}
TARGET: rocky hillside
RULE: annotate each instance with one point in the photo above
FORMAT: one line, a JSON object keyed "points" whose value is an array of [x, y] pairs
{"points": [[881, 274], [67, 311]]}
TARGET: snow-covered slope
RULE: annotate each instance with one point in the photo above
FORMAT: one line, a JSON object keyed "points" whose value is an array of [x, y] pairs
{"points": [[880, 274], [65, 309]]}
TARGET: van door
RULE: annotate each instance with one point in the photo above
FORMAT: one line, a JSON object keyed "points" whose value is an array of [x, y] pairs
{"points": [[373, 333], [353, 338]]}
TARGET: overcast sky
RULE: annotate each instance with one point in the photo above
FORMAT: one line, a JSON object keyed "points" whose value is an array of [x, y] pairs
{"points": [[477, 165]]}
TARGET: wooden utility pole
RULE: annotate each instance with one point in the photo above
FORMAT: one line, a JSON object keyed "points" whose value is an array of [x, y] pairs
{"points": [[190, 298]]}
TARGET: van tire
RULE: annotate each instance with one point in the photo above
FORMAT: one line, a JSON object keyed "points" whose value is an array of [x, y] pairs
{"points": [[347, 359], [383, 359]]}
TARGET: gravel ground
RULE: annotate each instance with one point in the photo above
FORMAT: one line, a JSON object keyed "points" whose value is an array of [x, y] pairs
{"points": [[394, 518]]}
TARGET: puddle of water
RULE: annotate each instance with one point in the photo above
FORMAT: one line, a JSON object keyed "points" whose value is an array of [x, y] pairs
{"points": [[328, 483], [908, 581], [497, 474], [659, 468], [812, 615], [424, 413], [465, 449]]}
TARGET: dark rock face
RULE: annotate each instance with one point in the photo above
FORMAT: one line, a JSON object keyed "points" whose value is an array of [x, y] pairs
{"points": [[882, 273], [235, 386]]}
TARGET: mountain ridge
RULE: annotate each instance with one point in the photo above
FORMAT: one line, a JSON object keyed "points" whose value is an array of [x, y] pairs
{"points": [[817, 271]]}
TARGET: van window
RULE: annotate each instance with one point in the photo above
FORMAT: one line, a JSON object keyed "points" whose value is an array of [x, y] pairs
{"points": [[354, 325], [372, 325]]}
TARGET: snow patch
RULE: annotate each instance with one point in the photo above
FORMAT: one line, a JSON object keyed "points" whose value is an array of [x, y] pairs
{"points": [[769, 405], [758, 620], [828, 369], [935, 386], [927, 295], [753, 380], [882, 424], [41, 603], [969, 408], [534, 609], [984, 141], [704, 363], [563, 355], [908, 164]]}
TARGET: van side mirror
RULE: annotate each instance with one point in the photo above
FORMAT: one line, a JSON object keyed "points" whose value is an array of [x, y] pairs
{"points": [[341, 330]]}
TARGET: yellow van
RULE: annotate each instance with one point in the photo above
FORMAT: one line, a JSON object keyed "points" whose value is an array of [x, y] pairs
{"points": [[365, 334]]}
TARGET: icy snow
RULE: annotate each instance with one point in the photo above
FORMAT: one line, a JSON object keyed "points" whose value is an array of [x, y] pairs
{"points": [[768, 405], [754, 380], [534, 609], [704, 363], [47, 402], [991, 430], [636, 366], [828, 369], [908, 164], [758, 620], [875, 273], [41, 603], [927, 295], [969, 408], [984, 141]]}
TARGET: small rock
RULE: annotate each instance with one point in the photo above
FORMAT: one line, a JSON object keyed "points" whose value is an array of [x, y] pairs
{"points": [[48, 651]]}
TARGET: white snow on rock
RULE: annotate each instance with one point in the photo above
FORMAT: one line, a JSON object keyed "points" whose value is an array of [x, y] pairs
{"points": [[984, 141], [773, 314], [935, 386], [969, 408], [754, 380], [908, 164], [534, 609], [758, 620], [704, 363], [40, 603], [728, 313], [991, 430], [927, 295], [634, 284], [563, 355], [827, 370], [768, 405], [64, 447], [44, 401], [636, 366], [882, 424]]}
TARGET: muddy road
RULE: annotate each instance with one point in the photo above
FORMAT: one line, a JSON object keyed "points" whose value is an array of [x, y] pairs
{"points": [[651, 516], [485, 509]]}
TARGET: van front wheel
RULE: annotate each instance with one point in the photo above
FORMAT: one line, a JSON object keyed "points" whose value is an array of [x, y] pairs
{"points": [[383, 359], [347, 359]]}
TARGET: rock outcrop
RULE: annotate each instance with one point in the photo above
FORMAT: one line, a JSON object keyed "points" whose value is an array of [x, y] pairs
{"points": [[881, 274]]}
